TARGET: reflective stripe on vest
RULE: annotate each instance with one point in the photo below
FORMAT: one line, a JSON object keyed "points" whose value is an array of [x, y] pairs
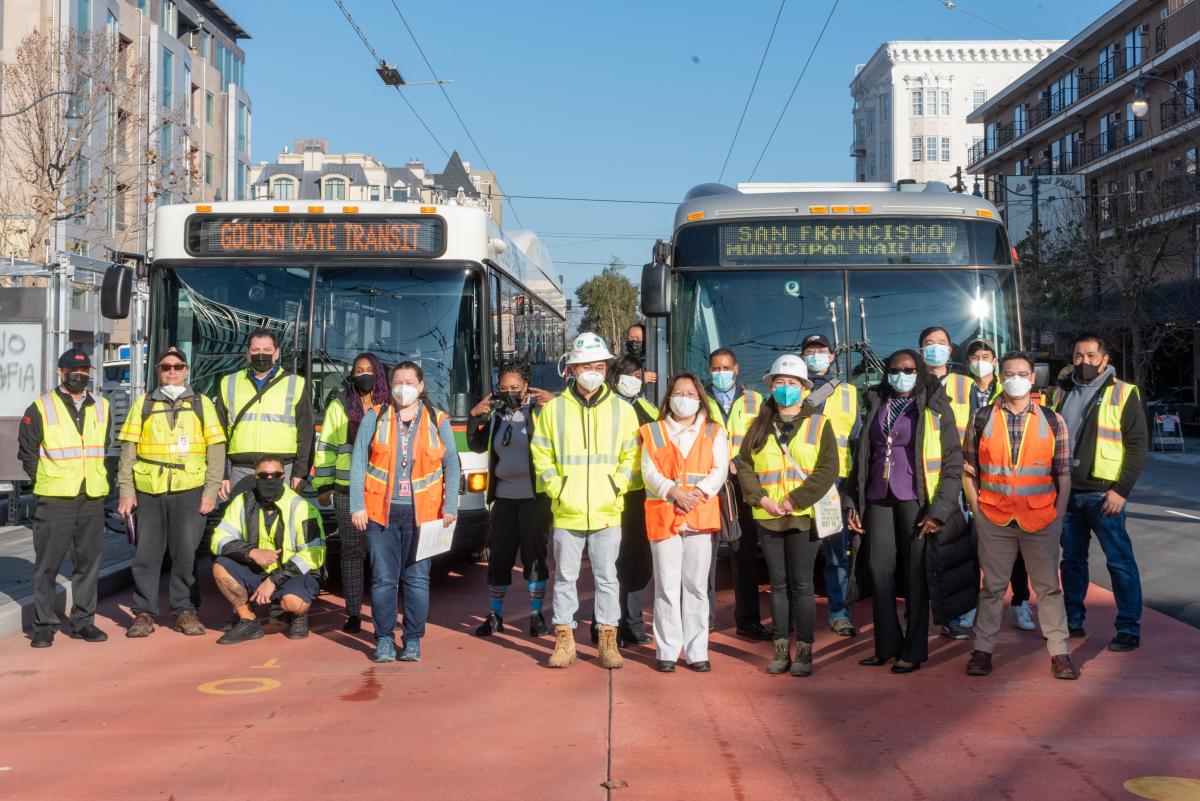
{"points": [[663, 518], [958, 389], [269, 422], [1110, 441], [776, 473], [295, 511], [841, 408], [68, 460], [425, 476], [931, 453], [1024, 492], [162, 465]]}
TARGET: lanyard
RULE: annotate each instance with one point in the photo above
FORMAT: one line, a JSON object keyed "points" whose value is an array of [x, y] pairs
{"points": [[891, 415]]}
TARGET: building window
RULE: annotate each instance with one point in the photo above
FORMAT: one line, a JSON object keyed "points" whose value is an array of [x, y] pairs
{"points": [[243, 127], [1020, 115], [1175, 5], [870, 121], [944, 102], [83, 18], [374, 195], [978, 98], [885, 104], [243, 173], [886, 149], [210, 107], [209, 168], [1134, 49], [1189, 97], [1108, 131], [1108, 63], [916, 148], [283, 189], [871, 172], [918, 103], [168, 18], [335, 189], [1133, 126], [945, 148], [931, 108], [992, 136], [931, 148], [166, 95]]}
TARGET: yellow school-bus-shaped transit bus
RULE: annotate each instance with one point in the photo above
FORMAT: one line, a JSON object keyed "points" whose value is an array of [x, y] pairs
{"points": [[869, 265], [439, 285]]}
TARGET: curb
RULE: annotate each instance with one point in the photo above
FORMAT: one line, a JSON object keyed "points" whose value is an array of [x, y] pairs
{"points": [[16, 616]]}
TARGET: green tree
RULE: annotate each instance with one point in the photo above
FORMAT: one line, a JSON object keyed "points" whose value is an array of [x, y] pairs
{"points": [[610, 302]]}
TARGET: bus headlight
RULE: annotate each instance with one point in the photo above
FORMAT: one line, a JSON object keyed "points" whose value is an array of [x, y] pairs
{"points": [[477, 482], [979, 307]]}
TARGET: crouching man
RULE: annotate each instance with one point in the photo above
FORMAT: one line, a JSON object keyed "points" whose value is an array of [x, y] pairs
{"points": [[268, 548]]}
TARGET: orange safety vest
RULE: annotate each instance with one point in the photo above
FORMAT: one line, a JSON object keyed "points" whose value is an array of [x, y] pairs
{"points": [[426, 475], [663, 518], [1026, 491]]}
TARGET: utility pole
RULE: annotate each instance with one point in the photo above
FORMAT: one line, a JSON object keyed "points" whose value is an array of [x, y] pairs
{"points": [[1036, 222], [959, 186]]}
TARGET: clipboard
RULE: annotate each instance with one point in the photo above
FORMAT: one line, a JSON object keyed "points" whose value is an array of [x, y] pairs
{"points": [[435, 538]]}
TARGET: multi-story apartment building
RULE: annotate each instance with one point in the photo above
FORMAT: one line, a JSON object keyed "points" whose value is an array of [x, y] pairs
{"points": [[308, 171], [181, 132], [911, 101]]}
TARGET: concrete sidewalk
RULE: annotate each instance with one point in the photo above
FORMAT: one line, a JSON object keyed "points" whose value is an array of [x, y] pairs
{"points": [[16, 576]]}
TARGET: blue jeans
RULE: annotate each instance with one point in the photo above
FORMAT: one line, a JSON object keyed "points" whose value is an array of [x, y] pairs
{"points": [[836, 575], [392, 551], [1084, 519]]}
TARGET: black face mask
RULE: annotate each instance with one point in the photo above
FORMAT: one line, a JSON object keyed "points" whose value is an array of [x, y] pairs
{"points": [[1086, 373], [512, 399], [261, 362], [268, 490], [365, 382], [75, 382], [635, 347]]}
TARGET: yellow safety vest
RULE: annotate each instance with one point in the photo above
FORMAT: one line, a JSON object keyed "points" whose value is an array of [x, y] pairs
{"points": [[334, 449], [1110, 440], [171, 459], [958, 388], [286, 535], [842, 410], [776, 472], [650, 409], [584, 458], [67, 460], [741, 414], [269, 422], [931, 453]]}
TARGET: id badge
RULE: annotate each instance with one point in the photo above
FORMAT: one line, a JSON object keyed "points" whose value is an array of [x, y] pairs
{"points": [[403, 488], [181, 443]]}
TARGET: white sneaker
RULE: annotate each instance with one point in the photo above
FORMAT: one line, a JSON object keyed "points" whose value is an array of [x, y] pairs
{"points": [[1023, 616]]}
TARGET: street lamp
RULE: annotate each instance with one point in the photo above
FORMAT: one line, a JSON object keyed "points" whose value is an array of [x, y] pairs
{"points": [[74, 107], [1141, 94]]}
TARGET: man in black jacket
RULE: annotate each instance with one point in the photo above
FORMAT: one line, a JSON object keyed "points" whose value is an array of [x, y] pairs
{"points": [[1109, 443]]}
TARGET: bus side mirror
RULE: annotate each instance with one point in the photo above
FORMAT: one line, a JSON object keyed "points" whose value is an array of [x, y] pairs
{"points": [[116, 291], [656, 291], [1041, 375]]}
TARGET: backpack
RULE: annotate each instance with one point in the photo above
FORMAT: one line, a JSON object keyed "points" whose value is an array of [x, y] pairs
{"points": [[197, 407]]}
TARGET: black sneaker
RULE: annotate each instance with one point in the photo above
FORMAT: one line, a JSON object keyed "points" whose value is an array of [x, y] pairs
{"points": [[243, 630], [755, 631], [229, 624], [353, 624], [90, 633], [1124, 641], [626, 637], [537, 625], [955, 632], [492, 624], [1076, 632], [298, 627], [43, 638]]}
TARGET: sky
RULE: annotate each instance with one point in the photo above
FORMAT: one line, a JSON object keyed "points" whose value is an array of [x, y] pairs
{"points": [[618, 100]]}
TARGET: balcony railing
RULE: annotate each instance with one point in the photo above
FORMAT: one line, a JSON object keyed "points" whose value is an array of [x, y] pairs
{"points": [[1111, 140], [1176, 110]]}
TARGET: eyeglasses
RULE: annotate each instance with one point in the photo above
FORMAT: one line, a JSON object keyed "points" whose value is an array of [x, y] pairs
{"points": [[691, 395], [275, 474], [173, 367], [899, 370]]}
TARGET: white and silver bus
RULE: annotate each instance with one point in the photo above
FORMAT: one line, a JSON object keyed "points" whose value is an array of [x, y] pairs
{"points": [[758, 268], [439, 285]]}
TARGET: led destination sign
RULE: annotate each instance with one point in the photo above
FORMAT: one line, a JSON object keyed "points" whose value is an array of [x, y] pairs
{"points": [[339, 236], [823, 241]]}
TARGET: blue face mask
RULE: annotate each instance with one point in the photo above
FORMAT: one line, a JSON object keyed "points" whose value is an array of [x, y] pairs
{"points": [[935, 355], [722, 380], [786, 395], [817, 362], [902, 382]]}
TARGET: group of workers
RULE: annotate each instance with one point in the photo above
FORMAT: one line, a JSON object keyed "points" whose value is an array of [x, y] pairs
{"points": [[934, 478]]}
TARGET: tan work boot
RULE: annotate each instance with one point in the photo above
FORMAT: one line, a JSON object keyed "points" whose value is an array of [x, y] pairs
{"points": [[143, 625], [564, 647], [610, 657], [189, 623]]}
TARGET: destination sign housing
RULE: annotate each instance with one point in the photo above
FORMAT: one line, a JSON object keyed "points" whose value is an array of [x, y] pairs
{"points": [[831, 241], [349, 236]]}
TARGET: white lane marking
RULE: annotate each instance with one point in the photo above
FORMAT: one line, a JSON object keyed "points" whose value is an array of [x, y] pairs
{"points": [[1183, 514]]}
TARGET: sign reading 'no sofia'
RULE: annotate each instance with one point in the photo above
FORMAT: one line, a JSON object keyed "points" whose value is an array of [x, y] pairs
{"points": [[339, 236]]}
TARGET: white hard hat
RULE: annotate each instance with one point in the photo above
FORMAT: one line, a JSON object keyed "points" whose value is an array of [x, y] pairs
{"points": [[789, 364], [588, 347]]}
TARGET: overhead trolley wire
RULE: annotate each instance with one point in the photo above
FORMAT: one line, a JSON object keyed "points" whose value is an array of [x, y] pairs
{"points": [[753, 86]]}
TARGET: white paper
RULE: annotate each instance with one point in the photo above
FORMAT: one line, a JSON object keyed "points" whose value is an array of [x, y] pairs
{"points": [[434, 539]]}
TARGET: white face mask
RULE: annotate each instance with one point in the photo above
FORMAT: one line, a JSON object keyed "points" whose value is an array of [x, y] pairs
{"points": [[589, 381], [629, 385], [1017, 386], [405, 394], [172, 392], [684, 407], [982, 368]]}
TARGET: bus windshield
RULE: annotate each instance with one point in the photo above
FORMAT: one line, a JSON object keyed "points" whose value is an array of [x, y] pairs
{"points": [[760, 314], [431, 316]]}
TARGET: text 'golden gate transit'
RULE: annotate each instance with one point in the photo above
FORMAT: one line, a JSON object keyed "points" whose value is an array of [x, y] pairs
{"points": [[319, 237]]}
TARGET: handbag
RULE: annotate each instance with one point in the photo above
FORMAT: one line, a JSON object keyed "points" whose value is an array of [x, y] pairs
{"points": [[827, 512], [731, 529]]}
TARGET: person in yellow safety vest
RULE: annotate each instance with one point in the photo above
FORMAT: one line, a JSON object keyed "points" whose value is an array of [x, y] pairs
{"points": [[585, 452], [904, 487], [265, 411], [366, 389], [172, 462], [268, 548], [838, 401], [986, 389], [635, 563], [61, 445], [735, 406], [788, 462], [1017, 468], [404, 474], [1110, 443]]}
